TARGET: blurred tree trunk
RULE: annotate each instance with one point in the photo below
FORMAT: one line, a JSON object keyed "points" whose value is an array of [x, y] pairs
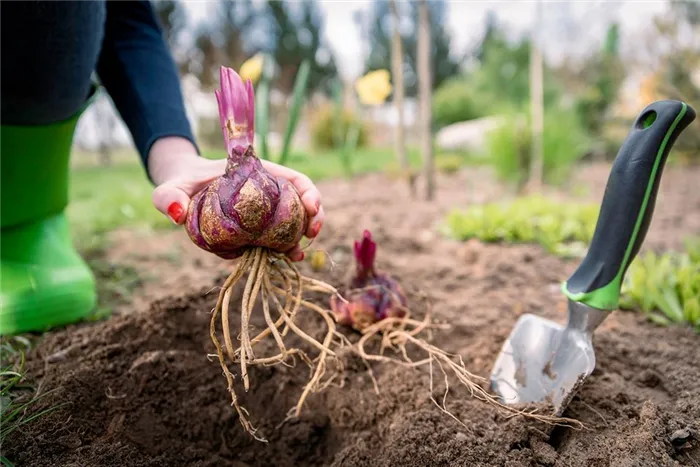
{"points": [[105, 159], [397, 71], [425, 97], [105, 117], [536, 105]]}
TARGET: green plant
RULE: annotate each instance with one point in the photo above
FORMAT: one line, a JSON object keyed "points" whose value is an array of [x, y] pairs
{"points": [[325, 125], [561, 228], [666, 287], [262, 106], [449, 163], [17, 397], [345, 139], [456, 101], [564, 143], [298, 97]]}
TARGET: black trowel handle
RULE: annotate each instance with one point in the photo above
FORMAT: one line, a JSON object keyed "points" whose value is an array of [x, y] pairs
{"points": [[628, 204]]}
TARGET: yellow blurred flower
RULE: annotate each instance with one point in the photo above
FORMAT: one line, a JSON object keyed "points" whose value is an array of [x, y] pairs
{"points": [[318, 260], [252, 68], [374, 87]]}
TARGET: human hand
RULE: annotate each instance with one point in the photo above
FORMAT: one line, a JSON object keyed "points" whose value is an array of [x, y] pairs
{"points": [[179, 173]]}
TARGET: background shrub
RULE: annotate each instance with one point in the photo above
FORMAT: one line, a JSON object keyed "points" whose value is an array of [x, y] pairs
{"points": [[564, 143], [456, 101], [323, 124]]}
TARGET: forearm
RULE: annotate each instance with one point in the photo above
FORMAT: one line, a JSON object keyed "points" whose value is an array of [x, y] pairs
{"points": [[138, 71], [166, 157]]}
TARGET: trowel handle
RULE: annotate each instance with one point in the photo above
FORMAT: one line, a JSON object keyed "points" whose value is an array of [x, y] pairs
{"points": [[628, 204]]}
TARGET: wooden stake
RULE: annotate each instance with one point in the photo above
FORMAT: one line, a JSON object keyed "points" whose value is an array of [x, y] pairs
{"points": [[425, 97], [536, 105], [397, 72]]}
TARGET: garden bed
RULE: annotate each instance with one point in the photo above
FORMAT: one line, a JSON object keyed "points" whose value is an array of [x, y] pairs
{"points": [[142, 392]]}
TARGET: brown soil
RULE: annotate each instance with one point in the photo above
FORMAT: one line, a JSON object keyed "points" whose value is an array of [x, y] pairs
{"points": [[142, 392]]}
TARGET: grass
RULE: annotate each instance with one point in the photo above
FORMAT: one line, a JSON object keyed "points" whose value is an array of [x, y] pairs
{"points": [[562, 228], [102, 199], [17, 396], [116, 281]]}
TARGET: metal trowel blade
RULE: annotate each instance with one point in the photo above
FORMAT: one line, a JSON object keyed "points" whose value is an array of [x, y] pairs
{"points": [[542, 361]]}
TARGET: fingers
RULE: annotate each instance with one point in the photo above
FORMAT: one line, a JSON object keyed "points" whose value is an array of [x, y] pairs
{"points": [[172, 201], [172, 197], [310, 195], [316, 223], [296, 254]]}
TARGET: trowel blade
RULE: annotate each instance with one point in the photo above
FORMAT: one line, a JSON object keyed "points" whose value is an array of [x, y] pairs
{"points": [[542, 361]]}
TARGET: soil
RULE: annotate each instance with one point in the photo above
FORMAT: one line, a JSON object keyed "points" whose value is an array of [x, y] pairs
{"points": [[141, 391]]}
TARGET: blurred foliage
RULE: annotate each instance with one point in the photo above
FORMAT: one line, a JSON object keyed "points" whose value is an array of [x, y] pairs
{"points": [[498, 82], [455, 101], [602, 74], [376, 27], [672, 45], [209, 133], [222, 40], [666, 286], [327, 123], [291, 32], [298, 30], [173, 20], [449, 163], [564, 143], [501, 75], [446, 163], [562, 228]]}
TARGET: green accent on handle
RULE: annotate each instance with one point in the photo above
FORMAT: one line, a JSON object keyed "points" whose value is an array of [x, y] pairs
{"points": [[608, 296], [299, 95], [651, 118]]}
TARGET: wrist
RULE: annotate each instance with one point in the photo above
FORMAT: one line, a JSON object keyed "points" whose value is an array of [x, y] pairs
{"points": [[167, 155]]}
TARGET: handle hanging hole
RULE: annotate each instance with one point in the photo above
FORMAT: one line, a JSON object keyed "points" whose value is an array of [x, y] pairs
{"points": [[646, 120]]}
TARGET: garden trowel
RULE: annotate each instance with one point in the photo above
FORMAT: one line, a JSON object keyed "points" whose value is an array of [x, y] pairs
{"points": [[542, 361]]}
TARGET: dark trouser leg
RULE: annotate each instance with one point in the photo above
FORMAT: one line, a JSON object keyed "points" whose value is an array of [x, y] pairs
{"points": [[49, 51]]}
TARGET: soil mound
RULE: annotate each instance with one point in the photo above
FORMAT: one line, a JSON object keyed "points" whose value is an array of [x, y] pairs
{"points": [[141, 392]]}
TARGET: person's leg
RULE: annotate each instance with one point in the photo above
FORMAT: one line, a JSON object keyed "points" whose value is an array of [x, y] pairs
{"points": [[49, 53]]}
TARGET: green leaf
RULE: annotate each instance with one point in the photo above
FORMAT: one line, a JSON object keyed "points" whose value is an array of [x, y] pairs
{"points": [[659, 319], [338, 136], [298, 98], [5, 403], [262, 105]]}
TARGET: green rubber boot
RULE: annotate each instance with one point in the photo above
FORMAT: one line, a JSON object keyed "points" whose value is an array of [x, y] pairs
{"points": [[44, 283]]}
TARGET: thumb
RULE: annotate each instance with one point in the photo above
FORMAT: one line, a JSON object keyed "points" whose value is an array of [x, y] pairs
{"points": [[172, 201]]}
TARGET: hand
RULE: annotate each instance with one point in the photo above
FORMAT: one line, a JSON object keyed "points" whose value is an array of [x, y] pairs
{"points": [[179, 173]]}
